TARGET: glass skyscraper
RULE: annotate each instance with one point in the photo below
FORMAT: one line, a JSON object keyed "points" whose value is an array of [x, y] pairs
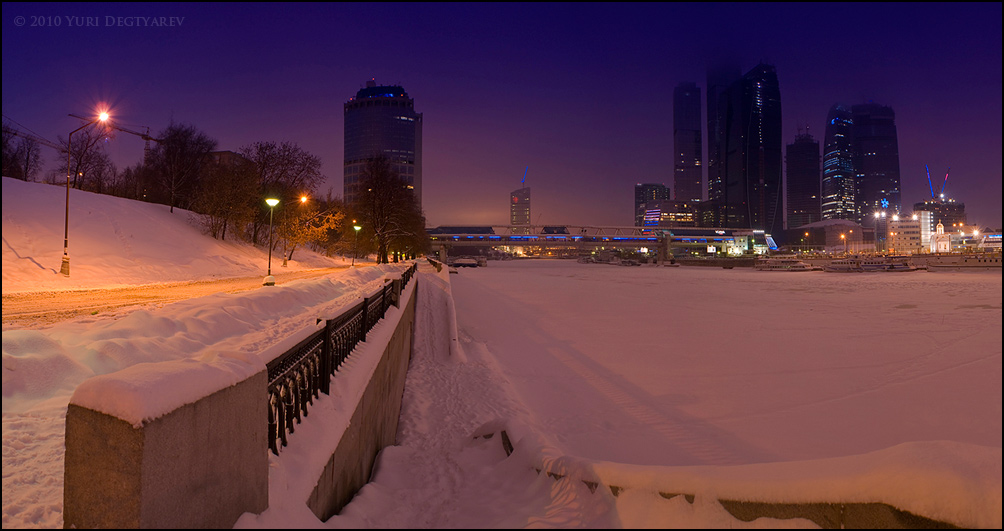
{"points": [[687, 142], [876, 161], [839, 177], [802, 163], [381, 121], [744, 153], [716, 97]]}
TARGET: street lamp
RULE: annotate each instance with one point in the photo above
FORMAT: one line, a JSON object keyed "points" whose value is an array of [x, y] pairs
{"points": [[355, 245], [269, 279], [64, 268]]}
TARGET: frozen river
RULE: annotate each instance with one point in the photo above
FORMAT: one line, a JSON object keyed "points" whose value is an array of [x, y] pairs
{"points": [[692, 366]]}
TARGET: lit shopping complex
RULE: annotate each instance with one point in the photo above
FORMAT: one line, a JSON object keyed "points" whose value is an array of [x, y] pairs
{"points": [[569, 241]]}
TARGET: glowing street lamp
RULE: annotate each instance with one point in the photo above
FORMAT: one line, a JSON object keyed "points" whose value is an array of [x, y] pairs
{"points": [[355, 245], [64, 268], [269, 279]]}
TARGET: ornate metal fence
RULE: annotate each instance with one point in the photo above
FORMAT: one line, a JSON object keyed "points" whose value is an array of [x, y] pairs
{"points": [[297, 377]]}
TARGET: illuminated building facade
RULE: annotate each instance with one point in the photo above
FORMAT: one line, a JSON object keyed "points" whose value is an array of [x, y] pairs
{"points": [[381, 121], [669, 214], [687, 142], [802, 164], [645, 193], [947, 212], [905, 235], [839, 178]]}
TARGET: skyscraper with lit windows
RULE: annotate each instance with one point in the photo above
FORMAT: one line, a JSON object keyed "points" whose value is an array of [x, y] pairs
{"points": [[381, 121], [687, 142], [519, 206], [839, 178], [646, 193]]}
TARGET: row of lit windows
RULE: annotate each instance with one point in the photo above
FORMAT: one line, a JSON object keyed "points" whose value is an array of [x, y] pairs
{"points": [[379, 102]]}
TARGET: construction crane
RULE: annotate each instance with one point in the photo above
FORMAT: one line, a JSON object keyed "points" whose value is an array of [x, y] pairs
{"points": [[931, 185], [145, 136], [36, 138]]}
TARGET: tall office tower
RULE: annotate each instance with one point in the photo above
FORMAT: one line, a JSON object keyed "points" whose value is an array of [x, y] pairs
{"points": [[802, 163], [687, 142], [643, 193], [381, 121], [876, 161], [750, 195], [519, 206], [719, 80], [839, 177]]}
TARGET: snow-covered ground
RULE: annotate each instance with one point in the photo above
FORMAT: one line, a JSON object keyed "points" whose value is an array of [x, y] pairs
{"points": [[738, 384]]}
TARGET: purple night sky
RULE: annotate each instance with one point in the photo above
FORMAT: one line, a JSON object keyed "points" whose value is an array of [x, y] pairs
{"points": [[580, 93]]}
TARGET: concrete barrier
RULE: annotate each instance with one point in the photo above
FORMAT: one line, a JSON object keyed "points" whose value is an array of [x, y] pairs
{"points": [[198, 465], [184, 443]]}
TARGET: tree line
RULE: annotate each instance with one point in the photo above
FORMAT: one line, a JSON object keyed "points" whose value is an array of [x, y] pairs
{"points": [[226, 191]]}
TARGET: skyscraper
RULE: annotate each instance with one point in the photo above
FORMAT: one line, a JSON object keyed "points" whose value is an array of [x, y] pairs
{"points": [[687, 142], [644, 193], [839, 177], [745, 182], [519, 206], [381, 121], [719, 80], [802, 163], [876, 161]]}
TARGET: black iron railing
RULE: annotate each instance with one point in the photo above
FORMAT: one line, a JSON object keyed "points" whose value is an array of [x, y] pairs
{"points": [[297, 377]]}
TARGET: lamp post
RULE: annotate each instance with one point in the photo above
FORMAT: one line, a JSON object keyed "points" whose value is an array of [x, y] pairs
{"points": [[269, 279], [64, 268], [355, 245]]}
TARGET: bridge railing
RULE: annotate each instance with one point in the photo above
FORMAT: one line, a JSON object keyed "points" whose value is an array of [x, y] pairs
{"points": [[299, 375]]}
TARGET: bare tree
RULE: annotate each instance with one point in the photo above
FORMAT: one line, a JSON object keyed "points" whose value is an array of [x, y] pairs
{"points": [[22, 156], [388, 211], [284, 171], [28, 158], [228, 191], [8, 151], [177, 161], [310, 222], [87, 156]]}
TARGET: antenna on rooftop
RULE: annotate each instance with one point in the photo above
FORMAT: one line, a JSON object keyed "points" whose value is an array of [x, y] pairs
{"points": [[523, 182]]}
